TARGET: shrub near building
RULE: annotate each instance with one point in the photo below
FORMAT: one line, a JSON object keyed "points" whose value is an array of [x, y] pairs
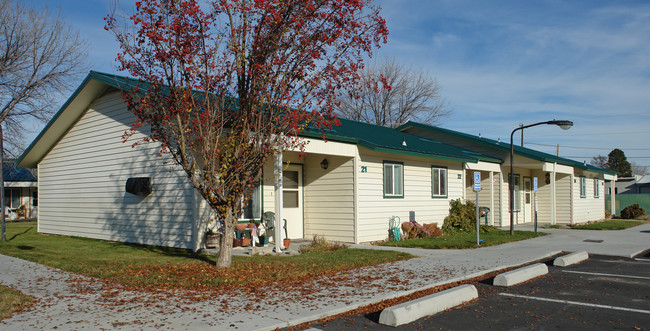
{"points": [[632, 212]]}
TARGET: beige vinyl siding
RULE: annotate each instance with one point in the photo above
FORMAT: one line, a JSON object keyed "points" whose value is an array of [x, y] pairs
{"points": [[588, 208], [563, 195], [82, 184], [328, 195], [374, 210], [485, 194], [543, 198], [329, 198]]}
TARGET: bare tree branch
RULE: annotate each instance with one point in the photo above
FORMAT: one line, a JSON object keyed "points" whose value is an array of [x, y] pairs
{"points": [[409, 95], [39, 55]]}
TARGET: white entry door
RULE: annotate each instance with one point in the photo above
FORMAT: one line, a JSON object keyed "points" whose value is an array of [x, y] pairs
{"points": [[292, 201], [528, 200]]}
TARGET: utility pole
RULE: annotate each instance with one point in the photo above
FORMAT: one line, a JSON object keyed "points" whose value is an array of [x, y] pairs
{"points": [[558, 150]]}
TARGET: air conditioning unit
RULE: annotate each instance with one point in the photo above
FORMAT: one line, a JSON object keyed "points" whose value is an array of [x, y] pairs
{"points": [[139, 186]]}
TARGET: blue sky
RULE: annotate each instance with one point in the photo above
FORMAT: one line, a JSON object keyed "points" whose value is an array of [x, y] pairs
{"points": [[502, 63]]}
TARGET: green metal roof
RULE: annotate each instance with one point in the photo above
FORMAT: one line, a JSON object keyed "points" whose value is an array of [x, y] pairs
{"points": [[384, 139], [505, 147]]}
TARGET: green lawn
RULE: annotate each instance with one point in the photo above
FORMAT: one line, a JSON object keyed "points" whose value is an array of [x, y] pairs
{"points": [[615, 224], [466, 240], [161, 267], [12, 301]]}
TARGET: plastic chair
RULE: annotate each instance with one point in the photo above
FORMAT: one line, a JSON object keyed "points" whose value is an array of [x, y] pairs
{"points": [[21, 212], [268, 218]]}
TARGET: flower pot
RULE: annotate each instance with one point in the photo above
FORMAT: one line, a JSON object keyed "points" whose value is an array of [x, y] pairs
{"points": [[241, 226], [236, 242], [250, 225], [286, 243], [212, 240], [245, 242]]}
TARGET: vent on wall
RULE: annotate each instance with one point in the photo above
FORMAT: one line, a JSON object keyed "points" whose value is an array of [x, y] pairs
{"points": [[139, 185]]}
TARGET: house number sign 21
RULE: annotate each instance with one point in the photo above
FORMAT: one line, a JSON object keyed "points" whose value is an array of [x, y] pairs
{"points": [[364, 169]]}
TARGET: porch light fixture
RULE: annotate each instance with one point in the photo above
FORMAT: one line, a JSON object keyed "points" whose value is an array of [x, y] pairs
{"points": [[324, 164], [565, 125]]}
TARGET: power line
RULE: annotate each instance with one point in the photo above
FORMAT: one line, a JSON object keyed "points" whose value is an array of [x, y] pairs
{"points": [[627, 157], [594, 134], [577, 147]]}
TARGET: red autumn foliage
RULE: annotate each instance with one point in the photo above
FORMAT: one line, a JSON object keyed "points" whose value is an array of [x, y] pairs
{"points": [[224, 89]]}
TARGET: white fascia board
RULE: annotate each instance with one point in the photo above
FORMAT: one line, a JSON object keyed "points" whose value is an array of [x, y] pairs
{"points": [[559, 168], [20, 184], [483, 166], [610, 177], [317, 146]]}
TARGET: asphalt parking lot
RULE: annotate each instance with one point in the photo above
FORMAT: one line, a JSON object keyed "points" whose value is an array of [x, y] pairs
{"points": [[600, 293]]}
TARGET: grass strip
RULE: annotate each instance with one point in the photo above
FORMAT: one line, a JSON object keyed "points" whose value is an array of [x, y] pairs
{"points": [[12, 301], [464, 240], [609, 225], [163, 267]]}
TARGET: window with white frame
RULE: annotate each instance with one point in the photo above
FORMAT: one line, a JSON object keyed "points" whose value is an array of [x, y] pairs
{"points": [[583, 187], [438, 182], [12, 197], [393, 180], [596, 188]]}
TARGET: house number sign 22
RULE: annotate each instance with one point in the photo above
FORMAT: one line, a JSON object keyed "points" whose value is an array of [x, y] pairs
{"points": [[364, 169]]}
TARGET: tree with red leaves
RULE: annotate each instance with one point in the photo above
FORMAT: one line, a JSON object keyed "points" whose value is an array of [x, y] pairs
{"points": [[225, 89]]}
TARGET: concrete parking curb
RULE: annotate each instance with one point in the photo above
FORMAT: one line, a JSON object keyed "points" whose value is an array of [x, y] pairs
{"points": [[413, 310], [570, 259], [520, 275]]}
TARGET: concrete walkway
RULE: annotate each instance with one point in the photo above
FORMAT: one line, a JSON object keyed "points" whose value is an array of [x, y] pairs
{"points": [[69, 302]]}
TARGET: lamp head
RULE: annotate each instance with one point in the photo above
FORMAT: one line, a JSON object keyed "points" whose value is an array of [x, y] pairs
{"points": [[564, 125]]}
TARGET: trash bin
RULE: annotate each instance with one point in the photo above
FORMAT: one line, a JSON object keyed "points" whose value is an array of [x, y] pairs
{"points": [[484, 212]]}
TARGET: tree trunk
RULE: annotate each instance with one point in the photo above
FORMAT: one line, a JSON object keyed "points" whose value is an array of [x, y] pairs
{"points": [[225, 247], [2, 185]]}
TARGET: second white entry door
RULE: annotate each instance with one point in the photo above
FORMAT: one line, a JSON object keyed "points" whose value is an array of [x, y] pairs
{"points": [[292, 200]]}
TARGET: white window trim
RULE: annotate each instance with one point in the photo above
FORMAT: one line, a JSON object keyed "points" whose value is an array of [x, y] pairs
{"points": [[439, 169], [393, 165]]}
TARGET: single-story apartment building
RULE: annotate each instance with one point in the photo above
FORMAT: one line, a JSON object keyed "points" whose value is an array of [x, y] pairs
{"points": [[346, 188]]}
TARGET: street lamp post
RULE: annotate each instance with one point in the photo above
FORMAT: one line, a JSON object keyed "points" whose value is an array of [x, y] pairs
{"points": [[565, 125]]}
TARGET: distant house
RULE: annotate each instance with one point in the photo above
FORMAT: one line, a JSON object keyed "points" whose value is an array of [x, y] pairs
{"points": [[21, 190], [636, 184]]}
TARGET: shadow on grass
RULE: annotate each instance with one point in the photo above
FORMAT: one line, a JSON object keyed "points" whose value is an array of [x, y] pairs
{"points": [[19, 234], [168, 251]]}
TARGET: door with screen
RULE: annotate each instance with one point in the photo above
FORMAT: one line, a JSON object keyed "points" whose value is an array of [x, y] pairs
{"points": [[528, 199], [292, 201]]}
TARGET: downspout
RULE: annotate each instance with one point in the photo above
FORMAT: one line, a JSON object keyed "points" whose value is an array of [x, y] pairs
{"points": [[553, 197], [464, 181], [196, 227], [355, 200], [612, 202], [571, 191], [491, 214], [279, 240]]}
